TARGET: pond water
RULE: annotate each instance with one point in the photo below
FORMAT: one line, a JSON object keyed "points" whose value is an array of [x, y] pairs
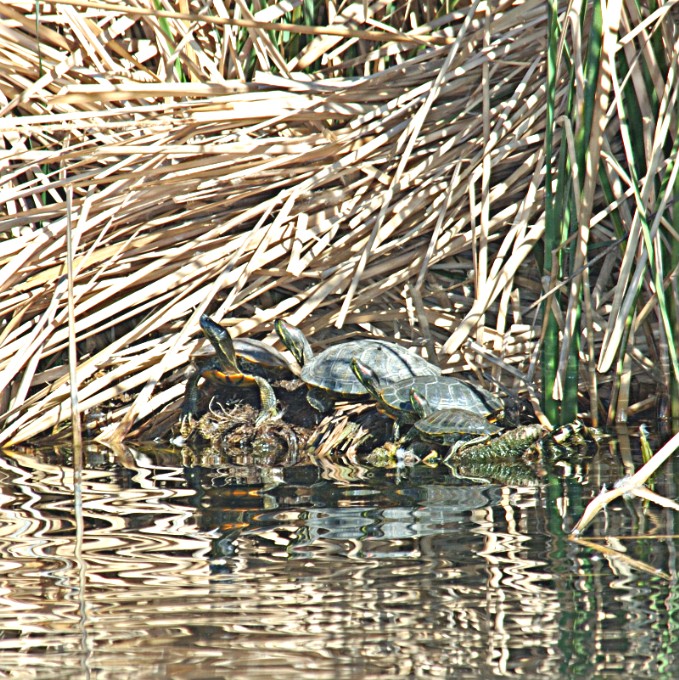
{"points": [[158, 567]]}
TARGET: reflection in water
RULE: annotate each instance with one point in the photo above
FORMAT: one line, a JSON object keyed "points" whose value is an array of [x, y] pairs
{"points": [[196, 572]]}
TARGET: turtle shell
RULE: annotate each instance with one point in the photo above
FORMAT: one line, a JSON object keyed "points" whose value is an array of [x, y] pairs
{"points": [[331, 369], [440, 392], [258, 358], [450, 425], [255, 357]]}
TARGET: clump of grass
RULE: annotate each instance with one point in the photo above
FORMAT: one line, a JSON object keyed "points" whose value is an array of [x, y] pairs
{"points": [[610, 184]]}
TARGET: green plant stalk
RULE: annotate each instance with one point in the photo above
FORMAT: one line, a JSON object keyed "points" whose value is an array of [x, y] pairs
{"points": [[591, 68], [165, 28], [673, 307], [669, 260], [550, 345], [633, 131], [656, 262], [569, 405], [615, 217], [561, 222], [646, 449], [663, 303], [613, 406], [633, 117], [583, 133], [250, 65]]}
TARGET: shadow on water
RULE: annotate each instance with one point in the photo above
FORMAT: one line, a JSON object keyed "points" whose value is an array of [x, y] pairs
{"points": [[335, 571]]}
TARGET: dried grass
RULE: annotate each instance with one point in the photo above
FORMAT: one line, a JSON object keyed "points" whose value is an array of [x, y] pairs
{"points": [[397, 191]]}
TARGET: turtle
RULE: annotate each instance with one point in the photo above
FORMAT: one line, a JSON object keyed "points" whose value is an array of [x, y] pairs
{"points": [[440, 392], [257, 358], [449, 426], [250, 365], [329, 374]]}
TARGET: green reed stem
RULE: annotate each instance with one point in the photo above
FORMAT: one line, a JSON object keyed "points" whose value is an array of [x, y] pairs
{"points": [[660, 250], [551, 239], [561, 215], [674, 303], [164, 24]]}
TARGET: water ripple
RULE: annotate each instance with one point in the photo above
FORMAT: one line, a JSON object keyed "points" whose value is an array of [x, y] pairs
{"points": [[176, 576]]}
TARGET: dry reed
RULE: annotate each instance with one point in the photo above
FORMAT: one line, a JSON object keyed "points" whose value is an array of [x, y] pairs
{"points": [[397, 190]]}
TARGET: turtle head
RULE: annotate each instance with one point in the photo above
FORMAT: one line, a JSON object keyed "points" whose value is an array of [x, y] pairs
{"points": [[367, 377], [294, 340], [419, 403], [221, 340]]}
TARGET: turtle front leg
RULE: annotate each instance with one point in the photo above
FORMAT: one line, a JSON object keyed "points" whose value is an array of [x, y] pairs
{"points": [[465, 443], [320, 400], [268, 402], [396, 429], [189, 409]]}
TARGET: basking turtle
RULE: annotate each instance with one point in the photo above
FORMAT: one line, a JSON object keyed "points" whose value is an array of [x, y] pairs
{"points": [[447, 426], [440, 392], [329, 374], [247, 366], [258, 358], [255, 357], [452, 425]]}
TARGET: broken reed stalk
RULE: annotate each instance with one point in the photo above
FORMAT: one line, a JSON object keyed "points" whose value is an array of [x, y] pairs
{"points": [[632, 486], [258, 175]]}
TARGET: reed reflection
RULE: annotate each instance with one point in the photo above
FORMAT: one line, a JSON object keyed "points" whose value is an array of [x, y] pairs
{"points": [[214, 570]]}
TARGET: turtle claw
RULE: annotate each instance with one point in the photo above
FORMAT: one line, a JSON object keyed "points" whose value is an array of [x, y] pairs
{"points": [[463, 444], [268, 416], [187, 424]]}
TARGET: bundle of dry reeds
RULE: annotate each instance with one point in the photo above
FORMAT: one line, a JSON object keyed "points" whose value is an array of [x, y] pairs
{"points": [[381, 173]]}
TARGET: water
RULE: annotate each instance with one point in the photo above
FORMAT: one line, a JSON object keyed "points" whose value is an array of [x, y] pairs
{"points": [[172, 570]]}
